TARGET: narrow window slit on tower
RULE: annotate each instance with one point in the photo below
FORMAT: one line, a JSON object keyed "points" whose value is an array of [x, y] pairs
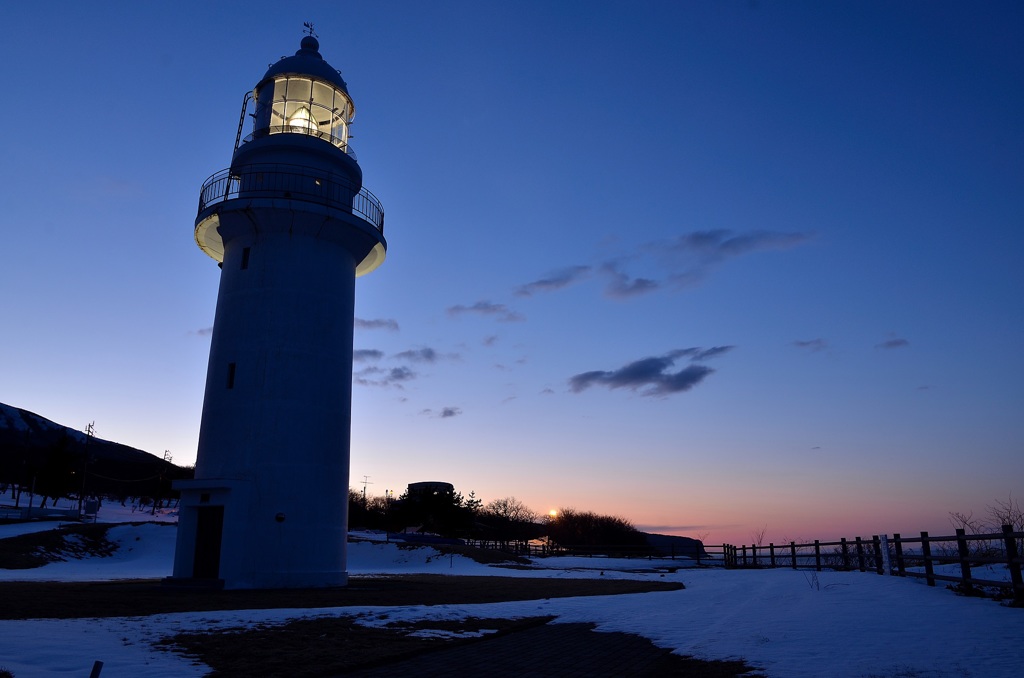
{"points": [[231, 375], [245, 257]]}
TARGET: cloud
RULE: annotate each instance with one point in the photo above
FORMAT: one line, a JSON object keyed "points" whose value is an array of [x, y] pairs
{"points": [[622, 286], [895, 342], [379, 376], [366, 354], [444, 413], [661, 529], [691, 257], [652, 376], [555, 281], [811, 345], [421, 355], [490, 340], [503, 312], [719, 244], [712, 352], [679, 262], [381, 324], [202, 332]]}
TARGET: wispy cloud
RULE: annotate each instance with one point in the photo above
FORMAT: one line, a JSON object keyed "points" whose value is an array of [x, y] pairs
{"points": [[554, 281], [443, 413], [691, 257], [502, 312], [653, 376], [202, 332], [419, 355], [622, 286], [811, 345], [677, 263], [383, 377], [379, 324], [673, 528], [895, 342], [364, 355]]}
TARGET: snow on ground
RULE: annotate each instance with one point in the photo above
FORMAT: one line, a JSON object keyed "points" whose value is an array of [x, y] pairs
{"points": [[786, 622]]}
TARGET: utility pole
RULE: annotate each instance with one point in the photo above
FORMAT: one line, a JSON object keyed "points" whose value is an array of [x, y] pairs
{"points": [[366, 481], [90, 431]]}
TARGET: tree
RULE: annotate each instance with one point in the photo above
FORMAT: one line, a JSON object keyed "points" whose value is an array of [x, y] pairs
{"points": [[509, 521], [595, 533], [510, 509], [56, 476], [438, 509]]}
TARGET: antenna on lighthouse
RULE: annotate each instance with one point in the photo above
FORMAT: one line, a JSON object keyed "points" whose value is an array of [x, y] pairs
{"points": [[309, 29]]}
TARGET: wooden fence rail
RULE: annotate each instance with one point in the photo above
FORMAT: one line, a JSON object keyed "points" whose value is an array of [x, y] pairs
{"points": [[898, 555]]}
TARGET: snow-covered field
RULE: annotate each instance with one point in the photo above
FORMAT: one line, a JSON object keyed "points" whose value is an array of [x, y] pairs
{"points": [[787, 623]]}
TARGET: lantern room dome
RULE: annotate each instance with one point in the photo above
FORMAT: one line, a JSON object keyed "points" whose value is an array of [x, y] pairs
{"points": [[307, 61]]}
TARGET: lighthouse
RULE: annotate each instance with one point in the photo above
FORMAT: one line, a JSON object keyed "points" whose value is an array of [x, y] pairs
{"points": [[291, 227]]}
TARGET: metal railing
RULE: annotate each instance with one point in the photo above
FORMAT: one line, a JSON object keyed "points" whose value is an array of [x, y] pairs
{"points": [[293, 182], [337, 142]]}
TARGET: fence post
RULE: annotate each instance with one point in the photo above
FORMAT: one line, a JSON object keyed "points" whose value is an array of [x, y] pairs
{"points": [[1013, 562], [886, 562], [860, 555], [926, 553], [817, 555], [753, 554], [792, 552], [744, 551], [877, 545], [965, 563], [901, 566], [771, 552], [846, 553]]}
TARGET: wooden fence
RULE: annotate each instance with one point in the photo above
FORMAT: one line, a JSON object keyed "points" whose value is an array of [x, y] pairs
{"points": [[900, 556]]}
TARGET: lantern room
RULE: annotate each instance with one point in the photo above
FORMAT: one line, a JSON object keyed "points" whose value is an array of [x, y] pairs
{"points": [[298, 104], [302, 94]]}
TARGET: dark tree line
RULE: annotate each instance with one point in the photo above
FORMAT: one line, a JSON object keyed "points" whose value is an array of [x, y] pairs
{"points": [[587, 531], [507, 523], [58, 465]]}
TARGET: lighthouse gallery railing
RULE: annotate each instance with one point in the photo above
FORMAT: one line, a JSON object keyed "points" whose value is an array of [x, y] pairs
{"points": [[295, 183]]}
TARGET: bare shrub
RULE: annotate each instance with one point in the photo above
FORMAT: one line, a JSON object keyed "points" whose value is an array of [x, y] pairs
{"points": [[757, 536]]}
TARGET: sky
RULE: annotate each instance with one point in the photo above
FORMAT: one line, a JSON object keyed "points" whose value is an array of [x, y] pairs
{"points": [[713, 267], [783, 622]]}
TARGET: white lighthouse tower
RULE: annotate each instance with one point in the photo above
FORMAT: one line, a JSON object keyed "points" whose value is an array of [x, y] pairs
{"points": [[291, 227]]}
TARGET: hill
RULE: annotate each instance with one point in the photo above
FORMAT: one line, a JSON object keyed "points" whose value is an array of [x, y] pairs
{"points": [[34, 449]]}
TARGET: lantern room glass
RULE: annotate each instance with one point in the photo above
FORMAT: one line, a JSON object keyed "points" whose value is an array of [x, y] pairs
{"points": [[302, 105]]}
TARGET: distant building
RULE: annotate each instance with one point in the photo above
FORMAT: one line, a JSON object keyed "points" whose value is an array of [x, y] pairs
{"points": [[429, 487]]}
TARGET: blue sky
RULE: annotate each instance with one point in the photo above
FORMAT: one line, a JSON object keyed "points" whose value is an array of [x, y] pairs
{"points": [[709, 266]]}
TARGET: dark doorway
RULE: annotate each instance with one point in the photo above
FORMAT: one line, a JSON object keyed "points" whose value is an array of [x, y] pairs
{"points": [[209, 527]]}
